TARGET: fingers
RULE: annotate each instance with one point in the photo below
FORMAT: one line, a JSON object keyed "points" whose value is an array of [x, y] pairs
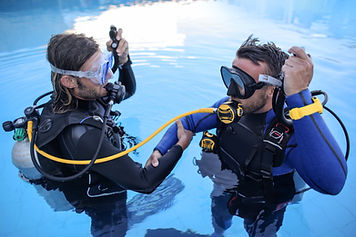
{"points": [[122, 43], [108, 45], [152, 161], [181, 130], [297, 70], [179, 125], [299, 53], [299, 58], [155, 162], [123, 46], [119, 34]]}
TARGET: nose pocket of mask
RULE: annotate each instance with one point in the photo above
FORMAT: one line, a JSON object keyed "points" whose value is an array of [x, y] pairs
{"points": [[235, 90]]}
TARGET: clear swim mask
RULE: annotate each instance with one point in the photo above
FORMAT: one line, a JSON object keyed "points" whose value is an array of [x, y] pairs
{"points": [[97, 73], [242, 85]]}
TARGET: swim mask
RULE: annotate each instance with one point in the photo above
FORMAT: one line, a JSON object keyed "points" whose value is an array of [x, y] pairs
{"points": [[242, 85], [97, 73]]}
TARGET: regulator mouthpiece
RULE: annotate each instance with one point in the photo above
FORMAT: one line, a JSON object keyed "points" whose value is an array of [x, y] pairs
{"points": [[116, 92]]}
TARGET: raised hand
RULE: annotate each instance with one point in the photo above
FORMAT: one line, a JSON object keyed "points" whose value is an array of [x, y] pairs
{"points": [[297, 70], [122, 49]]}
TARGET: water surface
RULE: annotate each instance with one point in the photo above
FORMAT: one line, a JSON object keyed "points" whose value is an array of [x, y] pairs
{"points": [[177, 48]]}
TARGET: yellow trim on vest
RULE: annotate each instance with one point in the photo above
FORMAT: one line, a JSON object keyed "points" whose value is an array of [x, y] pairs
{"points": [[298, 113]]}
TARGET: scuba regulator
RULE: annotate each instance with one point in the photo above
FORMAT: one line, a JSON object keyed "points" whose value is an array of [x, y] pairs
{"points": [[209, 142], [228, 112]]}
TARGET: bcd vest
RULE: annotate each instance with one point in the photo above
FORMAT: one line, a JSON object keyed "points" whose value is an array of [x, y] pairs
{"points": [[51, 125], [250, 151]]}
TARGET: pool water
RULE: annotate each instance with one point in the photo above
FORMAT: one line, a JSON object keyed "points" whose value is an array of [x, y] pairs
{"points": [[177, 48]]}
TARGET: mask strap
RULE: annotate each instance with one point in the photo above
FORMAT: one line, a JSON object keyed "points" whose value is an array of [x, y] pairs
{"points": [[269, 80], [65, 72]]}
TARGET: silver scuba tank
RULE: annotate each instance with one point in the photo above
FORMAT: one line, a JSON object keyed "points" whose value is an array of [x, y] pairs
{"points": [[21, 158]]}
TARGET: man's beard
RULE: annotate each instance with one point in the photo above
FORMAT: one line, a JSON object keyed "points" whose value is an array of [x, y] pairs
{"points": [[87, 93], [251, 106]]}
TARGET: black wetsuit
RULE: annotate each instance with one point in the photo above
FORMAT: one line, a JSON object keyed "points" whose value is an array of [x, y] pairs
{"points": [[79, 142], [100, 192], [75, 135]]}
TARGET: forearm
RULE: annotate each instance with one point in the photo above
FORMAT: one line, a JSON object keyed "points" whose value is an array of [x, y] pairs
{"points": [[80, 140], [155, 175], [130, 175], [317, 157], [127, 78]]}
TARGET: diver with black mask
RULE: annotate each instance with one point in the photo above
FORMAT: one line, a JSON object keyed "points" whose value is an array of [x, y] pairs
{"points": [[258, 149], [77, 124]]}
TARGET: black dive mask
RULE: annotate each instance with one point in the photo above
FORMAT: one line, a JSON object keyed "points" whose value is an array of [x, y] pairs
{"points": [[239, 83]]}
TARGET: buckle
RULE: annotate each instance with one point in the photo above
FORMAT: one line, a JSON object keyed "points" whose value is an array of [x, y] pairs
{"points": [[266, 174]]}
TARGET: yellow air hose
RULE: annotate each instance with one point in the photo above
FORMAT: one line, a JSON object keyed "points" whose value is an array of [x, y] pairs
{"points": [[115, 156]]}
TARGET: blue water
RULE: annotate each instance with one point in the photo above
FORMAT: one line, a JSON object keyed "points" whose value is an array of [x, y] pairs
{"points": [[177, 48]]}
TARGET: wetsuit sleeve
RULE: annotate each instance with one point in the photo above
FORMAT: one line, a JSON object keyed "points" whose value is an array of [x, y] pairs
{"points": [[127, 78], [195, 123], [317, 156], [81, 142]]}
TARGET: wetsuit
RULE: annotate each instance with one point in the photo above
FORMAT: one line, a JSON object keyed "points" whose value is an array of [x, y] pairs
{"points": [[100, 192], [312, 150], [75, 135]]}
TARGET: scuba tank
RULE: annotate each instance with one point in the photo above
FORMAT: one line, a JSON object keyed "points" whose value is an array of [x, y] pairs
{"points": [[21, 158], [20, 154]]}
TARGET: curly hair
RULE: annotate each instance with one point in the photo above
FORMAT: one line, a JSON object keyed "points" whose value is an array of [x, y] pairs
{"points": [[268, 53], [68, 52]]}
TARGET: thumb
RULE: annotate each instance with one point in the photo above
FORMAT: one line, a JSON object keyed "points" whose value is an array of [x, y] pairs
{"points": [[119, 34], [299, 52], [155, 162]]}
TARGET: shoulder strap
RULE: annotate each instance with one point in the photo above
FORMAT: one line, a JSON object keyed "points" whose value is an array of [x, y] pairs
{"points": [[275, 140], [51, 125], [274, 144]]}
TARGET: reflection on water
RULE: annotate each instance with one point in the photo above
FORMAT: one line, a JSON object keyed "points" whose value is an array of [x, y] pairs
{"points": [[177, 48]]}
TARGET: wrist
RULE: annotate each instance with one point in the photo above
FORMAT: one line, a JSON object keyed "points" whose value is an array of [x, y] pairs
{"points": [[125, 63], [181, 145], [157, 152], [299, 100], [294, 91]]}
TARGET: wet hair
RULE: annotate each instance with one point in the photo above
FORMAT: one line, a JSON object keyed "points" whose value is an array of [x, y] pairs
{"points": [[268, 53], [68, 52]]}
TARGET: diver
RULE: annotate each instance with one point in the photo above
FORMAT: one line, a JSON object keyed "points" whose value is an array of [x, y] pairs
{"points": [[263, 149], [76, 124]]}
